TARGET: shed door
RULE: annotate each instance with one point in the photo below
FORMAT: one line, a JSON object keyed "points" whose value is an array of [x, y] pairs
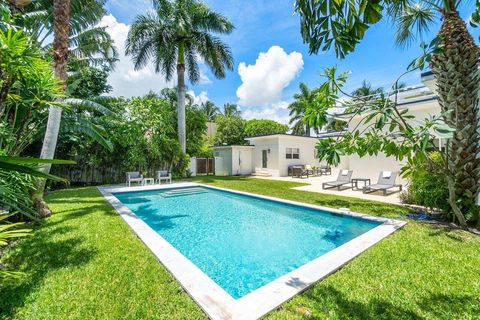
{"points": [[264, 158]]}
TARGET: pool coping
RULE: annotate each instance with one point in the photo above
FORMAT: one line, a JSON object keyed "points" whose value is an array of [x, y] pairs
{"points": [[213, 299]]}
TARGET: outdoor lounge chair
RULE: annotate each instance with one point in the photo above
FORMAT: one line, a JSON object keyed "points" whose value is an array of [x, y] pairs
{"points": [[301, 171], [344, 177], [164, 175], [325, 169], [133, 176], [386, 180]]}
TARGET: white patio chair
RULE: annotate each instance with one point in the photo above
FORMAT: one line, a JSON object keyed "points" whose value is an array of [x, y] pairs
{"points": [[164, 175], [133, 176]]}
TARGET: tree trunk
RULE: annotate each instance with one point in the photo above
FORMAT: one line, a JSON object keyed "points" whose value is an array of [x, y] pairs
{"points": [[61, 12], [455, 70], [181, 107], [452, 201]]}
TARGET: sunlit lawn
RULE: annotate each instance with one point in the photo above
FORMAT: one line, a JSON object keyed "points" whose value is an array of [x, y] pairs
{"points": [[85, 263]]}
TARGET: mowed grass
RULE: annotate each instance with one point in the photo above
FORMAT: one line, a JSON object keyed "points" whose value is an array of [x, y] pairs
{"points": [[85, 263]]}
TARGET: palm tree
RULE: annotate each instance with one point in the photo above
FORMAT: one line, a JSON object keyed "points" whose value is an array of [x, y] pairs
{"points": [[366, 90], [89, 44], [176, 34], [454, 61], [210, 109], [61, 25], [298, 108], [231, 110]]}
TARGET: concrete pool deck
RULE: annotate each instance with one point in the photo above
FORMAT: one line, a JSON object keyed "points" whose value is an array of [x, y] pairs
{"points": [[315, 185], [213, 299]]}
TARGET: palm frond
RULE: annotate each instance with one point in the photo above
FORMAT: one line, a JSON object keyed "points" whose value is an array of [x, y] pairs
{"points": [[93, 131], [413, 22], [89, 105], [207, 20]]}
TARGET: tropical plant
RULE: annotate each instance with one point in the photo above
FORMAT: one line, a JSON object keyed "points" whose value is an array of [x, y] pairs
{"points": [[61, 26], [453, 57], [13, 172], [231, 110], [9, 231], [143, 135], [336, 124], [88, 82], [27, 89], [176, 34], [262, 127], [16, 181], [230, 130], [427, 185], [303, 99], [210, 110], [366, 90], [384, 127], [89, 44]]}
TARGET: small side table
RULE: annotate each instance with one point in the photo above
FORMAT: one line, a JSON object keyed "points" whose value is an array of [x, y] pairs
{"points": [[146, 181], [366, 182]]}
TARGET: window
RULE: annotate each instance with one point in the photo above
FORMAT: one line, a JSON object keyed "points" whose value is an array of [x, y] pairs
{"points": [[292, 153]]}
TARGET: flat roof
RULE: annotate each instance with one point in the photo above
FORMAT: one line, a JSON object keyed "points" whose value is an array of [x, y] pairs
{"points": [[320, 135], [232, 145], [404, 104]]}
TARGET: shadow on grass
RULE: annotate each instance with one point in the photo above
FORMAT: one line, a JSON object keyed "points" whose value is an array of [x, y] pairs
{"points": [[53, 247], [327, 298]]}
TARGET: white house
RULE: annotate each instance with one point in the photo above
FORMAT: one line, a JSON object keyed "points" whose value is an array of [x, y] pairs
{"points": [[421, 102], [268, 155], [271, 155]]}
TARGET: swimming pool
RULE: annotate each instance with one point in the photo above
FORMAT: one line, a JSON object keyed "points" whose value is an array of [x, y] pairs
{"points": [[242, 243]]}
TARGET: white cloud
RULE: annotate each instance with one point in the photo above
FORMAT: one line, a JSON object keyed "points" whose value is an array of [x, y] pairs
{"points": [[264, 81], [204, 79], [201, 98], [124, 79], [273, 111]]}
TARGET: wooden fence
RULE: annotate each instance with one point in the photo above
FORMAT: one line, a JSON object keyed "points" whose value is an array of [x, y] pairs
{"points": [[93, 175]]}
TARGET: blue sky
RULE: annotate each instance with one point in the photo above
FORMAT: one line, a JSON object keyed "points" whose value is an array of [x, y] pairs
{"points": [[261, 25]]}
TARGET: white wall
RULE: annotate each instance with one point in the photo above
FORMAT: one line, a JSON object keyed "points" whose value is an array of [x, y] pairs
{"points": [[272, 157], [370, 166], [193, 166], [223, 161], [233, 160], [278, 164], [242, 160], [307, 152]]}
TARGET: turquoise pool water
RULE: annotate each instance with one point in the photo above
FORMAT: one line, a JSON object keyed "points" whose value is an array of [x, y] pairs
{"points": [[241, 242]]}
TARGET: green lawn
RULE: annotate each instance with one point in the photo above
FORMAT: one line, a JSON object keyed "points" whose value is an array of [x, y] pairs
{"points": [[85, 263]]}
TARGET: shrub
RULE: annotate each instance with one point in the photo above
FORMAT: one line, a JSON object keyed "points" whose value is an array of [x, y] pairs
{"points": [[427, 188]]}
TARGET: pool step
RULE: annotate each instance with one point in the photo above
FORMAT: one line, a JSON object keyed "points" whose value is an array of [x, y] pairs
{"points": [[182, 192]]}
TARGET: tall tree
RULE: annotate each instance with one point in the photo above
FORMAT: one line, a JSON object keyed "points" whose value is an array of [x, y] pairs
{"points": [[260, 127], [89, 43], [366, 90], [453, 56], [61, 11], [210, 110], [231, 109], [174, 36], [303, 99]]}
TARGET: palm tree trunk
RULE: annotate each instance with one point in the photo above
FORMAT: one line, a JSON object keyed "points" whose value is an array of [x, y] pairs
{"points": [[61, 11], [181, 98], [455, 70]]}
